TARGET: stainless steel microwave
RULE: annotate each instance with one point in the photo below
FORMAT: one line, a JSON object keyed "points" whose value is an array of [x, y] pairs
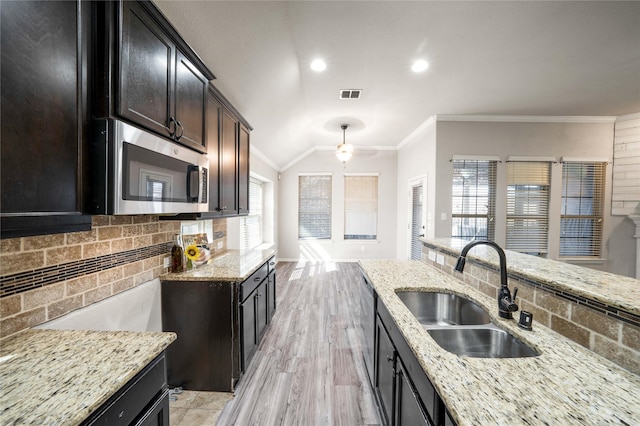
{"points": [[134, 171]]}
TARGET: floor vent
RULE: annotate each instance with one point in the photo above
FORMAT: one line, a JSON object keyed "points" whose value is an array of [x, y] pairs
{"points": [[350, 93]]}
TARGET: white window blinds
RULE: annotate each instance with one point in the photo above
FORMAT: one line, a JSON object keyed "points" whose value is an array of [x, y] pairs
{"points": [[473, 199], [360, 207], [582, 209], [251, 228], [314, 207], [528, 206]]}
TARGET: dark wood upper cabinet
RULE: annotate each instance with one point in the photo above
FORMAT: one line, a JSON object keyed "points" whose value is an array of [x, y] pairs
{"points": [[43, 99], [243, 170], [190, 102], [229, 164], [146, 67], [153, 78], [214, 115]]}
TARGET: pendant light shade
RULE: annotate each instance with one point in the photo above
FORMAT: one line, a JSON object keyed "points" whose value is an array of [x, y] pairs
{"points": [[344, 150]]}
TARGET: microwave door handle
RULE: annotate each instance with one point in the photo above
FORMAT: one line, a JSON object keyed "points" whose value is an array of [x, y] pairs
{"points": [[193, 184]]}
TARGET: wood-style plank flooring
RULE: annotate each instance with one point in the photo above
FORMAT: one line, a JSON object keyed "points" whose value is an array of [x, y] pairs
{"points": [[308, 369]]}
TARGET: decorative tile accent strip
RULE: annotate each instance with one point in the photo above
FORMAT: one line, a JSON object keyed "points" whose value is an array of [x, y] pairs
{"points": [[29, 280]]}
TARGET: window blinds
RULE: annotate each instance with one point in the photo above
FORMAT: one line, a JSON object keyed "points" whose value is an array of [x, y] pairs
{"points": [[582, 209], [251, 229], [360, 207], [473, 199], [314, 207], [528, 206]]}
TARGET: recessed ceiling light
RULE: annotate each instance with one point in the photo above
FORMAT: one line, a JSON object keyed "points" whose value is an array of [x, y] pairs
{"points": [[318, 65], [420, 65]]}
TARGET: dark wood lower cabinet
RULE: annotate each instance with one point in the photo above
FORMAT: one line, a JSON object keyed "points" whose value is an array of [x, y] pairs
{"points": [[404, 393], [219, 326], [144, 400], [409, 409], [384, 382]]}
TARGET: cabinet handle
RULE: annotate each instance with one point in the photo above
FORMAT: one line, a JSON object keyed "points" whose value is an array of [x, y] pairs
{"points": [[256, 279], [181, 130], [389, 358], [172, 127]]}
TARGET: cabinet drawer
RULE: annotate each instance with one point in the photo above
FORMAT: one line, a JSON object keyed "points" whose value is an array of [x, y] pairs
{"points": [[130, 402], [253, 281]]}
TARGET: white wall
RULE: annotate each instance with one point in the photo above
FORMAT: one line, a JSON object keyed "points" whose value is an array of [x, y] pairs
{"points": [[416, 160], [575, 139], [382, 162]]}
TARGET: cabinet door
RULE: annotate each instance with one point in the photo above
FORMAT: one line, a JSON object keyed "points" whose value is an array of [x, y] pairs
{"points": [[228, 164], [261, 309], [146, 62], [385, 372], [157, 414], [271, 295], [248, 327], [408, 406], [214, 116], [41, 125], [190, 103], [243, 171]]}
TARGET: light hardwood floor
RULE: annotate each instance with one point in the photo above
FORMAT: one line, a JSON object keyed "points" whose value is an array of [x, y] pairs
{"points": [[308, 369]]}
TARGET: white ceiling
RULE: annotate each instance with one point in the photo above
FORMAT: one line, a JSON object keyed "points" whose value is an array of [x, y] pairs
{"points": [[490, 58]]}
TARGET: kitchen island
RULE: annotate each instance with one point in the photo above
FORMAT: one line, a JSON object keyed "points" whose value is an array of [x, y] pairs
{"points": [[219, 311], [62, 377], [566, 384]]}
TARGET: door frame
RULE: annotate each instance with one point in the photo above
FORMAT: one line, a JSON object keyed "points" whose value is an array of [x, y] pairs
{"points": [[412, 183]]}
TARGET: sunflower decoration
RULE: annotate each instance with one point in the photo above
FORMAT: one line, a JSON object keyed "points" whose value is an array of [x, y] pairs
{"points": [[193, 253]]}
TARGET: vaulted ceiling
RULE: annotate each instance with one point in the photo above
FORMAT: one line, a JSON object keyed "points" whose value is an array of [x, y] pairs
{"points": [[490, 58]]}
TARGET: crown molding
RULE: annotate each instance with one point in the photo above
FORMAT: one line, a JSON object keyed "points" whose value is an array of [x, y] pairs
{"points": [[627, 117], [255, 151], [528, 118]]}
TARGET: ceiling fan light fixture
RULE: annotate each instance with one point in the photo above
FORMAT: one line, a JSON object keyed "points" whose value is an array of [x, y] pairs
{"points": [[345, 150]]}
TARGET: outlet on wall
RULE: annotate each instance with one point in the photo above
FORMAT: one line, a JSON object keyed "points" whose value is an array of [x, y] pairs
{"points": [[167, 261], [440, 259], [432, 255], [220, 245]]}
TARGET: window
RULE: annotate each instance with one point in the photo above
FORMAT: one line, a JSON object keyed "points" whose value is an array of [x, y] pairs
{"points": [[473, 199], [582, 209], [251, 229], [528, 206], [360, 207], [314, 207]]}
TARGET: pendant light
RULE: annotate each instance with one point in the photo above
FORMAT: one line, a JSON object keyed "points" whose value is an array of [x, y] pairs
{"points": [[345, 150]]}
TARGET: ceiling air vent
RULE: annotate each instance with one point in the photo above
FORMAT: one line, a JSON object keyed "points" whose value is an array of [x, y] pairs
{"points": [[350, 93]]}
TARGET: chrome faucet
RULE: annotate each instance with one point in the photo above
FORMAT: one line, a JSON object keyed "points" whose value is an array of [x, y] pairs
{"points": [[506, 304]]}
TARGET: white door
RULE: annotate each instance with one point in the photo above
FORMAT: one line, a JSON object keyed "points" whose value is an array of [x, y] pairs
{"points": [[417, 226]]}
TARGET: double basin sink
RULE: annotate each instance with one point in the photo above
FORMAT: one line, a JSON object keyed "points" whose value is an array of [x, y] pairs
{"points": [[461, 326]]}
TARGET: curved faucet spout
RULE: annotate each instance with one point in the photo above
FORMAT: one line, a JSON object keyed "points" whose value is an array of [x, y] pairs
{"points": [[506, 304]]}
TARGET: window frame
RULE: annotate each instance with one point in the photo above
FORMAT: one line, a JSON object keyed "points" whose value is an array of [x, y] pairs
{"points": [[491, 170], [597, 206], [350, 202], [526, 194], [327, 211]]}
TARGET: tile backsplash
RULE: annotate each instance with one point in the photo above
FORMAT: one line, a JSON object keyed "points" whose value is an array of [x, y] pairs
{"points": [[44, 277], [613, 335]]}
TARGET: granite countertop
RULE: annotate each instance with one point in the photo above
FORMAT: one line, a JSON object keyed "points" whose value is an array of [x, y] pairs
{"points": [[231, 266], [611, 289], [565, 385], [59, 377]]}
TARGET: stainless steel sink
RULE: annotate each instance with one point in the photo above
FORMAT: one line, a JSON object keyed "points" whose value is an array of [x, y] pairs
{"points": [[443, 309], [461, 326], [481, 342]]}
